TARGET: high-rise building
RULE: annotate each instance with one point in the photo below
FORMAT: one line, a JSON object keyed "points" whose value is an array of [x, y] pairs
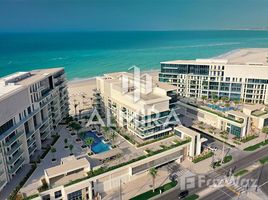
{"points": [[31, 106]]}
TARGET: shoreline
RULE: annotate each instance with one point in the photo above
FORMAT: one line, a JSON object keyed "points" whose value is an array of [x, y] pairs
{"points": [[93, 78]]}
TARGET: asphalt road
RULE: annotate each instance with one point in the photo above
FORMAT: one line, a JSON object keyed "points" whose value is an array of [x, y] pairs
{"points": [[263, 181], [220, 194], [242, 163]]}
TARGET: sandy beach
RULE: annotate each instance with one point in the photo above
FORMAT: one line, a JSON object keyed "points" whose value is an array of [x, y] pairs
{"points": [[81, 92]]}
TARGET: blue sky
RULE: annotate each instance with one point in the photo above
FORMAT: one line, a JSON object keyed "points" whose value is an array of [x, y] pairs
{"points": [[93, 15]]}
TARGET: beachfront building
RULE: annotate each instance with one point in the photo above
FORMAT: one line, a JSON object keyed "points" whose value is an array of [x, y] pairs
{"points": [[226, 84], [140, 112], [238, 75], [31, 106]]}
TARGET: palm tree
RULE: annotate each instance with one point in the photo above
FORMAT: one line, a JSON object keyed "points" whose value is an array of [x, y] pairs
{"points": [[89, 142], [265, 131], [53, 151], [71, 148], [153, 174], [113, 136], [106, 130], [65, 142], [75, 126]]}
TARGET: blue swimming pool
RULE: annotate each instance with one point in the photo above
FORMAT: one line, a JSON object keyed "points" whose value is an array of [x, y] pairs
{"points": [[217, 107], [98, 146]]}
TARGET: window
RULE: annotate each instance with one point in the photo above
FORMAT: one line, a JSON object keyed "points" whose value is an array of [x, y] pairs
{"points": [[46, 197], [58, 194]]}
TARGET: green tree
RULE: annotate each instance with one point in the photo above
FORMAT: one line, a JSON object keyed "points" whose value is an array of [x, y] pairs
{"points": [[153, 174], [113, 136], [90, 141], [53, 151], [265, 130], [75, 126], [71, 148], [65, 141], [105, 130]]}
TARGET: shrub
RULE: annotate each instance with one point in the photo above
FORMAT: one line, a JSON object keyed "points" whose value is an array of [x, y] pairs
{"points": [[203, 157]]}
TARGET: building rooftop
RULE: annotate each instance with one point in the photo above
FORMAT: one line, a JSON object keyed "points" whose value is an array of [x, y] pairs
{"points": [[250, 56], [38, 75], [6, 90], [68, 165]]}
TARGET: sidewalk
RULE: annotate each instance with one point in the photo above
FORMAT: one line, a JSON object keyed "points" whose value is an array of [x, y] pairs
{"points": [[34, 182], [138, 186]]}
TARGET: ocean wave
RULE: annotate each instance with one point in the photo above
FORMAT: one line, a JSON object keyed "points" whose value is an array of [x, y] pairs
{"points": [[182, 46], [59, 58]]}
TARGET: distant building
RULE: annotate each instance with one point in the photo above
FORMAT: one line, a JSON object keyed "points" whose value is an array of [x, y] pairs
{"points": [[31, 106], [237, 75]]}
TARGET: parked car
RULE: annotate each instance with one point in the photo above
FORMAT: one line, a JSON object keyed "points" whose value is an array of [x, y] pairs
{"points": [[213, 148], [183, 194]]}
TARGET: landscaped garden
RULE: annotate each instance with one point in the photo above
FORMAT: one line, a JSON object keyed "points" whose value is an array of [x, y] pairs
{"points": [[264, 160], [225, 160], [256, 146], [241, 172], [203, 156]]}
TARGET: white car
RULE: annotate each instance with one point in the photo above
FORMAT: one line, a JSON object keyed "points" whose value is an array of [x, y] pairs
{"points": [[213, 148]]}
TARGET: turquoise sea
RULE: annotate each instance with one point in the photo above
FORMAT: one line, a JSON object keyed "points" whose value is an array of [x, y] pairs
{"points": [[87, 54]]}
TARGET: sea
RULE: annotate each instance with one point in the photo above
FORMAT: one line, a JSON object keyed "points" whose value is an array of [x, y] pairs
{"points": [[90, 54]]}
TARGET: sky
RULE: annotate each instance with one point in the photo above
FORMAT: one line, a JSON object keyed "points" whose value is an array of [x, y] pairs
{"points": [[117, 15]]}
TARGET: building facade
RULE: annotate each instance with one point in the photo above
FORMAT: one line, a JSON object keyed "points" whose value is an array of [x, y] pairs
{"points": [[31, 106], [145, 117], [239, 75]]}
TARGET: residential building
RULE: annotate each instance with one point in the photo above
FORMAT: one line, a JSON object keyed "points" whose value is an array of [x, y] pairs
{"points": [[237, 75], [31, 106], [150, 115]]}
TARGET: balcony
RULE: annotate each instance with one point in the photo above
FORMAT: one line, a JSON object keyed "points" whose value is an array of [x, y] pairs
{"points": [[15, 168], [44, 127], [15, 157], [30, 142], [44, 135], [13, 149], [14, 138], [32, 149]]}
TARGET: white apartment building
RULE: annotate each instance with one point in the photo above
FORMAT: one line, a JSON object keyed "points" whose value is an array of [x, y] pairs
{"points": [[145, 116], [237, 75], [31, 106]]}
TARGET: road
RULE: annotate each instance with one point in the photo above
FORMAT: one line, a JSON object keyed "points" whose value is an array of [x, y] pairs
{"points": [[263, 181], [242, 163], [220, 194]]}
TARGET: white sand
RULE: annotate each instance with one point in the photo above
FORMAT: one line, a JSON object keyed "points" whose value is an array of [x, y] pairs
{"points": [[81, 92]]}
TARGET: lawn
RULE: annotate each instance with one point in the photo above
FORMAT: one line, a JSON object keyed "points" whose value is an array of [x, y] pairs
{"points": [[192, 197], [149, 194], [256, 146], [241, 172], [264, 160], [226, 159]]}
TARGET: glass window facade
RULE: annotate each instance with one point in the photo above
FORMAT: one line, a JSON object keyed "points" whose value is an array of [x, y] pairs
{"points": [[185, 69]]}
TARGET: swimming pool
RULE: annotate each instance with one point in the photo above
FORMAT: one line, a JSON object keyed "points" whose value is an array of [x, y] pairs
{"points": [[219, 108], [98, 146]]}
